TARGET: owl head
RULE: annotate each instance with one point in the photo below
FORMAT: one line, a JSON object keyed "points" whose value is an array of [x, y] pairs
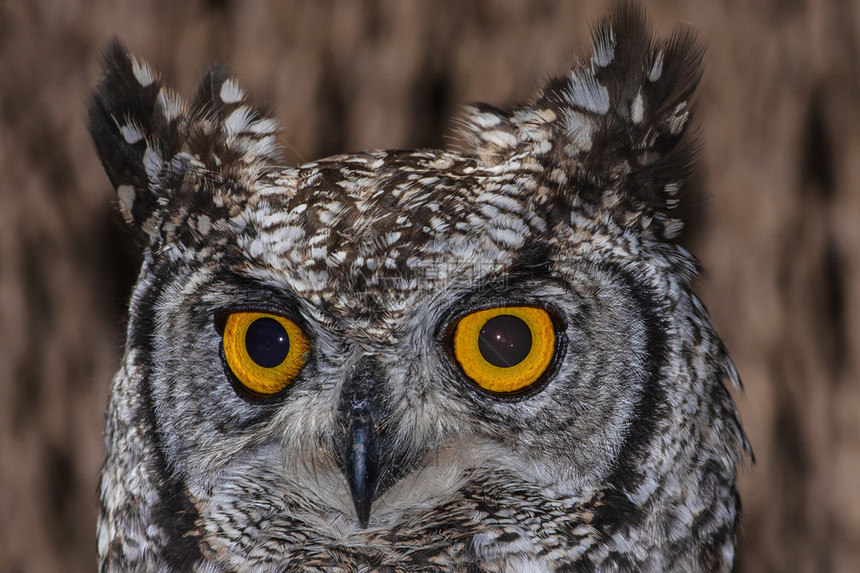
{"points": [[487, 359]]}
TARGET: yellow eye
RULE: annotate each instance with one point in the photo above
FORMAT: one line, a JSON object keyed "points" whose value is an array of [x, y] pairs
{"points": [[264, 351], [505, 350]]}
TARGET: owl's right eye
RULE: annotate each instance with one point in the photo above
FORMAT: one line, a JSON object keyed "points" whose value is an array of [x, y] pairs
{"points": [[265, 352]]}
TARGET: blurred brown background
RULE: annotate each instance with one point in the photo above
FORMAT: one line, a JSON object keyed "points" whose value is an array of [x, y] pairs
{"points": [[778, 227]]}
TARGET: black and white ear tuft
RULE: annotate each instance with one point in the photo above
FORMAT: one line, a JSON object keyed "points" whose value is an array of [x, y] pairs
{"points": [[136, 124], [617, 125], [157, 150], [228, 133]]}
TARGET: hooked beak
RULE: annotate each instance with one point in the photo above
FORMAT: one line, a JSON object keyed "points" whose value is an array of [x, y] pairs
{"points": [[361, 464], [363, 413]]}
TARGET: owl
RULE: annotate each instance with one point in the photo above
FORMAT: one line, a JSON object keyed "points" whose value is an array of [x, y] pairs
{"points": [[487, 359]]}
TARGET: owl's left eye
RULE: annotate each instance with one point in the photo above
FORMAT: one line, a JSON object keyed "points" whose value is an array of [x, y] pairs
{"points": [[505, 350], [265, 352]]}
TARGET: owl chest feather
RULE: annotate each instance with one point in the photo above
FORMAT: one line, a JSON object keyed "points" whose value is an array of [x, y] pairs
{"points": [[490, 525]]}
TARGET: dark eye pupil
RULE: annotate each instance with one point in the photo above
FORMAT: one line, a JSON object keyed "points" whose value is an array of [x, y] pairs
{"points": [[505, 340], [267, 342]]}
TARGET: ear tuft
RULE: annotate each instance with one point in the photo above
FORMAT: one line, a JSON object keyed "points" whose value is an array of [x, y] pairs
{"points": [[227, 132], [158, 152], [136, 124], [617, 124]]}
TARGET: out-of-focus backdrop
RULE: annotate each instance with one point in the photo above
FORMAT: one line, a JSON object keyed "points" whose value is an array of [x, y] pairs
{"points": [[777, 227]]}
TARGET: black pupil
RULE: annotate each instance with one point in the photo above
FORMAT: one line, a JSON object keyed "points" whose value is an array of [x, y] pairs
{"points": [[505, 340], [267, 342]]}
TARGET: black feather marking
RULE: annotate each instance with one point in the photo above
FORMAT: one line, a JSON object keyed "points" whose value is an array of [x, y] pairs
{"points": [[156, 151], [643, 425], [136, 125]]}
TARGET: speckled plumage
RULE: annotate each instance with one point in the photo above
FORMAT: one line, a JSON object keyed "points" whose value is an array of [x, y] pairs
{"points": [[624, 458]]}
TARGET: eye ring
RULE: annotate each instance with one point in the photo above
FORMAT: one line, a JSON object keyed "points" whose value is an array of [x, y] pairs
{"points": [[264, 352], [505, 350]]}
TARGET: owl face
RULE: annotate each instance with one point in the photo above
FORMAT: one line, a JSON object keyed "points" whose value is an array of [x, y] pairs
{"points": [[380, 298], [488, 359]]}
